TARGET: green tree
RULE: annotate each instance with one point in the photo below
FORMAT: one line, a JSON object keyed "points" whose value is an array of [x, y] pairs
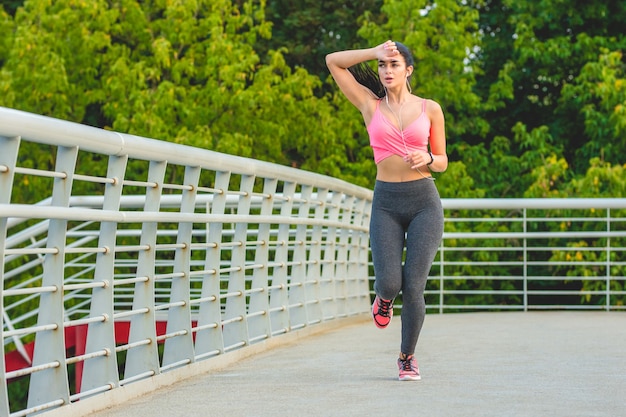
{"points": [[310, 29], [7, 28], [601, 180], [57, 56], [11, 5], [542, 48], [596, 99], [528, 88], [178, 71]]}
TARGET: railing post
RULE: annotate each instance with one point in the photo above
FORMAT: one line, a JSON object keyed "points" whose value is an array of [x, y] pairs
{"points": [[358, 297], [442, 280], [209, 336], [103, 370], [179, 349], [279, 294], [330, 269], [320, 290], [259, 325], [343, 244], [525, 258], [299, 289], [235, 313], [51, 384], [8, 156], [608, 260], [143, 358]]}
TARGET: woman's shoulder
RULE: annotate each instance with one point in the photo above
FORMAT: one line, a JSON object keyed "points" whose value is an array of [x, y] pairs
{"points": [[432, 106]]}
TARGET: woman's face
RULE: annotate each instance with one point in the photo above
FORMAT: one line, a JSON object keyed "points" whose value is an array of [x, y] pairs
{"points": [[393, 71]]}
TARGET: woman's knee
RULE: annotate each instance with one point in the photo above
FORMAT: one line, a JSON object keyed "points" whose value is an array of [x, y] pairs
{"points": [[387, 288]]}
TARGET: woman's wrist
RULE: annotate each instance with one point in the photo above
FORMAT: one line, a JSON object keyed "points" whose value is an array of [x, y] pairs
{"points": [[432, 159], [439, 163], [432, 165]]}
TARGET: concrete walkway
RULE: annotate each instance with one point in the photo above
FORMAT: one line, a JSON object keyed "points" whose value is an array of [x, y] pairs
{"points": [[473, 364]]}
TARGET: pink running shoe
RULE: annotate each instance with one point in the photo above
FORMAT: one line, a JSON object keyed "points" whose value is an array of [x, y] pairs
{"points": [[382, 311], [408, 368]]}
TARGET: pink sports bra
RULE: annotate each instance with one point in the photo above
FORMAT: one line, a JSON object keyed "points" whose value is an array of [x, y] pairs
{"points": [[386, 139]]}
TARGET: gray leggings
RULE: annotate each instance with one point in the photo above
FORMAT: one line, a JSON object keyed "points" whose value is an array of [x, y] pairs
{"points": [[405, 214]]}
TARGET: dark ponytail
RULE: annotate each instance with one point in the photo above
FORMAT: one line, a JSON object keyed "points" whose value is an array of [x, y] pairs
{"points": [[367, 77]]}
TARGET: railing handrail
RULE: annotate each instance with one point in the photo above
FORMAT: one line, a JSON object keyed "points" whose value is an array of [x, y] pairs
{"points": [[533, 203], [50, 131]]}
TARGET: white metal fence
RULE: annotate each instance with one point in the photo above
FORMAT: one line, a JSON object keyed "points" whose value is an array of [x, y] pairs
{"points": [[149, 257], [531, 254]]}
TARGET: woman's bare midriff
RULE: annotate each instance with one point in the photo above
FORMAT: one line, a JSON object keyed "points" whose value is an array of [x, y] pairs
{"points": [[395, 169]]}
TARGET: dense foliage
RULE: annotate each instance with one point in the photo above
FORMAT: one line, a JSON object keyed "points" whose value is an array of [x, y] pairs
{"points": [[533, 91]]}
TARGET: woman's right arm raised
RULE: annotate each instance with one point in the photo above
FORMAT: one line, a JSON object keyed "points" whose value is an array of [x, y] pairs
{"points": [[339, 62]]}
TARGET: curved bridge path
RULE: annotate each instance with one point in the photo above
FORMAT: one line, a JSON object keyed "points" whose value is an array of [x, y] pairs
{"points": [[472, 364]]}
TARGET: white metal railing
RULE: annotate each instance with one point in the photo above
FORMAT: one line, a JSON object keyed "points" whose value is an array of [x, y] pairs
{"points": [[188, 254], [531, 254], [191, 254]]}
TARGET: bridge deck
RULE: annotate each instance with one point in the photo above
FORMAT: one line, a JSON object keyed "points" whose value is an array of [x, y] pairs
{"points": [[472, 364]]}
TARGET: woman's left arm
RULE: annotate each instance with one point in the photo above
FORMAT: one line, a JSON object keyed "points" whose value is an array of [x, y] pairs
{"points": [[437, 137]]}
